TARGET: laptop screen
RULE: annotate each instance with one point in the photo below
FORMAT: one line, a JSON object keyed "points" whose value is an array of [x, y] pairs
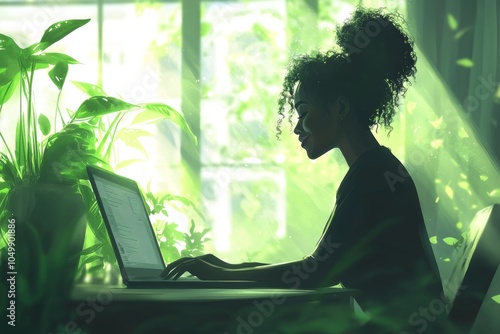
{"points": [[130, 225]]}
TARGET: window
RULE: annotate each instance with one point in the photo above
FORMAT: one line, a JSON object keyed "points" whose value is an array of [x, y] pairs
{"points": [[262, 199]]}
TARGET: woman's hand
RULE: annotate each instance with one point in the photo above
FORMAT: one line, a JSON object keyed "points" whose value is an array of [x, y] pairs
{"points": [[212, 259], [195, 266], [206, 266]]}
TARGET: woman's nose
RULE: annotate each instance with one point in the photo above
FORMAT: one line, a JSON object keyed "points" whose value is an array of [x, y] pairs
{"points": [[298, 128]]}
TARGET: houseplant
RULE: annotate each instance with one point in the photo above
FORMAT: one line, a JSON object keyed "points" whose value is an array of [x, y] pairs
{"points": [[45, 202]]}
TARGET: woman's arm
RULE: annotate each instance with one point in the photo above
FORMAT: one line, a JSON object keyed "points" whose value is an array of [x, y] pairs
{"points": [[309, 272]]}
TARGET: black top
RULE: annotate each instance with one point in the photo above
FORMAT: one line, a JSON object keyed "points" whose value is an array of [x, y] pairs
{"points": [[382, 247]]}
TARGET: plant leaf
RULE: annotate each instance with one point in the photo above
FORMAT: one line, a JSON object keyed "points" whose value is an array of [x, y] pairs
{"points": [[44, 124], [452, 22], [9, 67], [101, 105], [54, 58], [465, 62], [59, 30], [58, 74], [7, 90], [172, 115], [89, 89], [8, 44], [496, 299], [131, 138], [433, 240]]}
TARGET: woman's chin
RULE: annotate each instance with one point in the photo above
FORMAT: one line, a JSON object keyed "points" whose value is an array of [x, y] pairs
{"points": [[313, 154]]}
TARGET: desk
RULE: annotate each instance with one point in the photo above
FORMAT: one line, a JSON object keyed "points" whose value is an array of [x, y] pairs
{"points": [[105, 309]]}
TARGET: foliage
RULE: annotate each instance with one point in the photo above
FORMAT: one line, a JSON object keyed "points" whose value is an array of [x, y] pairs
{"points": [[44, 154]]}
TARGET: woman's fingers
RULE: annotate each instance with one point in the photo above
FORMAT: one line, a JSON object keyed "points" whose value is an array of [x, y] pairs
{"points": [[173, 265], [180, 268]]}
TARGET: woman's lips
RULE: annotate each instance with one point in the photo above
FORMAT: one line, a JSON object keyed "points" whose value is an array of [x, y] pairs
{"points": [[303, 140]]}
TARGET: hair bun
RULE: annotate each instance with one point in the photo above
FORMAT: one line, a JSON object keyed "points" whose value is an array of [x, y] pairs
{"points": [[376, 45]]}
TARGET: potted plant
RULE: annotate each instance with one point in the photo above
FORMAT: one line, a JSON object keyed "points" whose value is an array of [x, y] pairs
{"points": [[44, 201]]}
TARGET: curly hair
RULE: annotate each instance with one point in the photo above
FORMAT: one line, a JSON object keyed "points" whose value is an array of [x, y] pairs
{"points": [[375, 62]]}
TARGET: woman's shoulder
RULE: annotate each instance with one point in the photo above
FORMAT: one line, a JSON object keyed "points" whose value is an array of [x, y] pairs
{"points": [[377, 171]]}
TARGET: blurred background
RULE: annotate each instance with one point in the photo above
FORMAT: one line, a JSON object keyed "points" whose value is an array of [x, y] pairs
{"points": [[221, 63]]}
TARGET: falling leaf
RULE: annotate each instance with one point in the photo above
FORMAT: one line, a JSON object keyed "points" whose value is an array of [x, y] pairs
{"points": [[447, 259], [437, 199], [411, 106], [433, 240], [465, 62], [460, 33], [437, 181], [496, 299], [449, 191], [483, 177], [437, 143], [452, 22], [465, 186], [495, 192], [450, 240], [437, 123], [462, 133]]}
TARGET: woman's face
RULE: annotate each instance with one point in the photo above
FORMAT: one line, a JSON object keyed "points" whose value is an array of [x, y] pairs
{"points": [[318, 126]]}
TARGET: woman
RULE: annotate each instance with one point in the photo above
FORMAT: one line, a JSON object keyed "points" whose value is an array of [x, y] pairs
{"points": [[375, 239]]}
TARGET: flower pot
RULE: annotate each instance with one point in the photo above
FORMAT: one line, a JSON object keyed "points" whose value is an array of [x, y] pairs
{"points": [[49, 233]]}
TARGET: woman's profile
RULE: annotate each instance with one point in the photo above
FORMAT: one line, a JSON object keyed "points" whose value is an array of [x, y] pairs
{"points": [[375, 239]]}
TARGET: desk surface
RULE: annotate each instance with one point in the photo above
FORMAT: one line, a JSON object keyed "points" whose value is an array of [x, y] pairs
{"points": [[121, 293]]}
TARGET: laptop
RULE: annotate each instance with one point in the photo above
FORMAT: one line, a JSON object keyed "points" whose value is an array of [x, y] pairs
{"points": [[133, 239]]}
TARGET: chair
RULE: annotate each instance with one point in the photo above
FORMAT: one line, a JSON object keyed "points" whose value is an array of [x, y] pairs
{"points": [[476, 272]]}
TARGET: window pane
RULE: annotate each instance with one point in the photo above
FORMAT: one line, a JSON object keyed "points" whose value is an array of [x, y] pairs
{"points": [[142, 61]]}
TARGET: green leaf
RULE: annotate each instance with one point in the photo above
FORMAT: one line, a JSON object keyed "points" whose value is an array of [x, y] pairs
{"points": [[89, 89], [101, 105], [452, 22], [58, 74], [59, 30], [7, 90], [44, 124], [9, 67], [92, 258], [450, 241], [8, 44], [172, 115], [460, 33], [465, 62], [496, 299], [91, 249], [433, 240], [131, 138], [54, 58]]}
